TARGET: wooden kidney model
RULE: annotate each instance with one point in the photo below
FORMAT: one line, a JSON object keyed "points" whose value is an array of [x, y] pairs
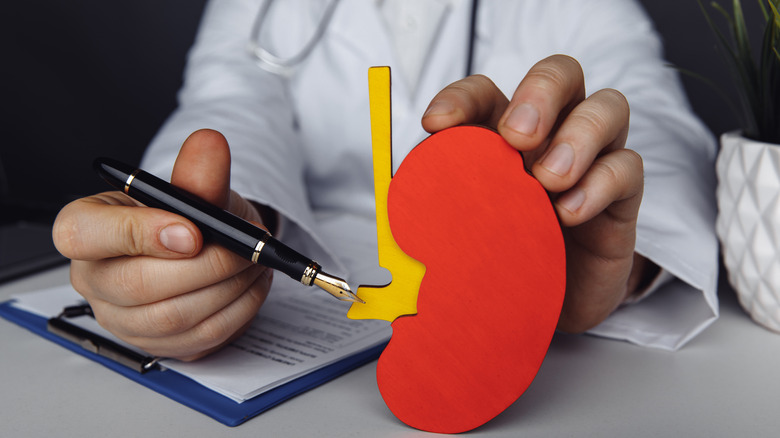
{"points": [[463, 222]]}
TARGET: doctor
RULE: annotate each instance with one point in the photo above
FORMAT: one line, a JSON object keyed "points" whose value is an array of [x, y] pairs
{"points": [[301, 161]]}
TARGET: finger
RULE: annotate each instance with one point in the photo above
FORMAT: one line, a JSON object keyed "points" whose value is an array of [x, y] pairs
{"points": [[133, 281], [105, 226], [550, 89], [474, 99], [596, 126], [203, 167], [180, 313], [212, 333], [614, 184]]}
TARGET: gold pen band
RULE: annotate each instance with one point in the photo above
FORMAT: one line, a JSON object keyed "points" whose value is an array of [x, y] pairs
{"points": [[259, 247], [130, 180]]}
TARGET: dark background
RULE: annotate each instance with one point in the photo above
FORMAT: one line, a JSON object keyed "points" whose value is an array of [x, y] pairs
{"points": [[81, 79], [85, 78]]}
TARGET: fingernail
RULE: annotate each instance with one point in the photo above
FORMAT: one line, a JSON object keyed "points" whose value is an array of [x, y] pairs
{"points": [[572, 200], [559, 159], [439, 108], [177, 238], [523, 119]]}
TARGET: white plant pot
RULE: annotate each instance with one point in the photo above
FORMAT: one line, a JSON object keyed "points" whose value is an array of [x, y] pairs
{"points": [[748, 224]]}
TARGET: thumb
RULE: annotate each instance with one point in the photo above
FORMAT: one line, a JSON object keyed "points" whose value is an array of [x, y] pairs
{"points": [[203, 167]]}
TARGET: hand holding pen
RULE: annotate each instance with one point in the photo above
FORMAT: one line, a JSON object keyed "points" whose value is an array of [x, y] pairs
{"points": [[147, 273], [222, 227]]}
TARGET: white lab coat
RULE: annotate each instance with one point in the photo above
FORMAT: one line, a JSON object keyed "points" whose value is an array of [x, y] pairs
{"points": [[302, 144]]}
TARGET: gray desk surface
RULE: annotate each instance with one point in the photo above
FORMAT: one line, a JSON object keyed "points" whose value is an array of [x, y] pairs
{"points": [[726, 382]]}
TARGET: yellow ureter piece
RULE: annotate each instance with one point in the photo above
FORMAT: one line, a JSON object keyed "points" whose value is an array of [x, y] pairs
{"points": [[400, 296]]}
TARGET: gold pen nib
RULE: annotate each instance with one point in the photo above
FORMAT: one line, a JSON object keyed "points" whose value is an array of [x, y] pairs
{"points": [[336, 287]]}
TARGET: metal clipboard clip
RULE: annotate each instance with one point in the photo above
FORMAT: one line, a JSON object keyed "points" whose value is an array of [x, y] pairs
{"points": [[95, 343]]}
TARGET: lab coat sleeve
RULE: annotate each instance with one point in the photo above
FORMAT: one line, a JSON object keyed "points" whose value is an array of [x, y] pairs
{"points": [[618, 48], [225, 90]]}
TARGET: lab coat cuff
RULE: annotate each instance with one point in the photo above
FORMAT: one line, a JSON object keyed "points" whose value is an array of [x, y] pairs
{"points": [[661, 278]]}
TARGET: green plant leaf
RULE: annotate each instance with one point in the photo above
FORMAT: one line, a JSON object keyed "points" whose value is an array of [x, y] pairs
{"points": [[729, 55], [772, 70], [757, 80], [747, 65], [710, 83], [763, 8], [723, 40], [740, 31], [764, 113], [742, 67], [774, 6]]}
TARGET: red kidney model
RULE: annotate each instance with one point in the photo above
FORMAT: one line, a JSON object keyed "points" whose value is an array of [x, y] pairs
{"points": [[493, 280], [463, 205]]}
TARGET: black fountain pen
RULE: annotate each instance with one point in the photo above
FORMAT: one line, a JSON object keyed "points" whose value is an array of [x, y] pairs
{"points": [[225, 228]]}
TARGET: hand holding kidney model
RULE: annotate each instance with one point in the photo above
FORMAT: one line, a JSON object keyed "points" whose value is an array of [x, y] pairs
{"points": [[478, 234]]}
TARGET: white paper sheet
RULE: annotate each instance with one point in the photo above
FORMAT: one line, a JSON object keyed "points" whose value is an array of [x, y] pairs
{"points": [[298, 330]]}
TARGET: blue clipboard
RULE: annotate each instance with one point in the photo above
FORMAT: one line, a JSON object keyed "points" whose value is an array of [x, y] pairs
{"points": [[190, 393]]}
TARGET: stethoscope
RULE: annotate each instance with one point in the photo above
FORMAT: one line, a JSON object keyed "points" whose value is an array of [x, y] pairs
{"points": [[278, 65], [287, 65]]}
